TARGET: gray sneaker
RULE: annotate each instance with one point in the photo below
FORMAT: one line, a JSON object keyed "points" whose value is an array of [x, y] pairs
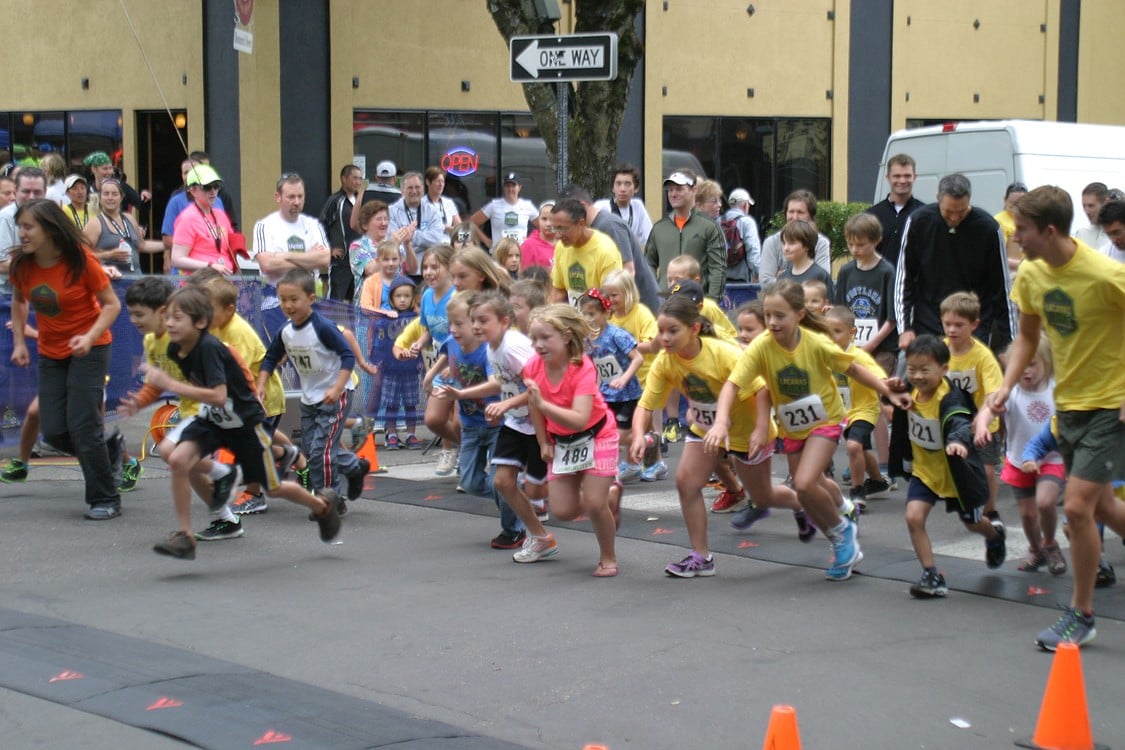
{"points": [[103, 511], [1073, 627], [748, 516], [219, 530]]}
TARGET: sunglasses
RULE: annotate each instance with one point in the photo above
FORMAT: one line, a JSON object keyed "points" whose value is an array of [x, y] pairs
{"points": [[212, 187]]}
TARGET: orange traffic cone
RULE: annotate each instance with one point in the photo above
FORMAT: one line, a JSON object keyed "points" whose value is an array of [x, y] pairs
{"points": [[782, 733], [1064, 722], [367, 450]]}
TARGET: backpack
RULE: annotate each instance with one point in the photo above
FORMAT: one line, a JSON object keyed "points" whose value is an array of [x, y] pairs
{"points": [[736, 248]]}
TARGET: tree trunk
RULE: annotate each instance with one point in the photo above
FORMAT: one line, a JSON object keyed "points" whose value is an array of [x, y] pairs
{"points": [[596, 108]]}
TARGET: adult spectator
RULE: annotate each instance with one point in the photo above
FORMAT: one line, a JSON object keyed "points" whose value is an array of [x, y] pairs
{"points": [[335, 217], [614, 226], [687, 232], [76, 206], [435, 195], [418, 219], [55, 168], [284, 240], [1094, 196], [539, 247], [179, 200], [373, 220], [800, 205], [7, 191], [626, 204], [31, 184], [508, 216], [738, 218], [951, 246], [583, 256], [203, 230], [115, 235], [1111, 219], [1013, 193], [896, 209], [383, 189], [101, 168], [75, 307]]}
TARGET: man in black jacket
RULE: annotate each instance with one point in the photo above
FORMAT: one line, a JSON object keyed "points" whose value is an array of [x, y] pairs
{"points": [[951, 246], [334, 217], [893, 212]]}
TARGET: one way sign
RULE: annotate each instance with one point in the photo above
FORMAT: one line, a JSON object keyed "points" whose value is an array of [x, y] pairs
{"points": [[576, 57]]}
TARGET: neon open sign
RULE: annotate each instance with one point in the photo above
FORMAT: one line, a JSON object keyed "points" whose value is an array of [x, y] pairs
{"points": [[461, 161]]}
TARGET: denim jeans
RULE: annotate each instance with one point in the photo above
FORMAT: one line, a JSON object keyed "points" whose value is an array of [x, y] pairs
{"points": [[329, 463], [71, 391], [477, 444]]}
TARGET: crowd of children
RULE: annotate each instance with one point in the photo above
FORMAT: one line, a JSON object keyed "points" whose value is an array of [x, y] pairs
{"points": [[550, 409]]}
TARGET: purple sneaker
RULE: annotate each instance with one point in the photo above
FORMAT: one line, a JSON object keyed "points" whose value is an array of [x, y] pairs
{"points": [[691, 566]]}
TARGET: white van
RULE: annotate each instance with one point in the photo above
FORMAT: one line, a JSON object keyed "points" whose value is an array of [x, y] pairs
{"points": [[995, 154]]}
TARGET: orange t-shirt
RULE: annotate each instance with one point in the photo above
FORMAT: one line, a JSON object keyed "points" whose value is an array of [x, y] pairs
{"points": [[63, 310]]}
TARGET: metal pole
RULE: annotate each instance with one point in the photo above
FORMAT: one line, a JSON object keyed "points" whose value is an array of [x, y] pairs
{"points": [[563, 170]]}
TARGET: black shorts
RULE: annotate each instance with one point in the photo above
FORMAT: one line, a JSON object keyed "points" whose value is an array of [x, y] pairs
{"points": [[623, 412], [859, 431], [250, 445], [515, 448], [918, 490]]}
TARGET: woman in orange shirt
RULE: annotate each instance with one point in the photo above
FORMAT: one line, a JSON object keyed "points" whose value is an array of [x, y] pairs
{"points": [[75, 305]]}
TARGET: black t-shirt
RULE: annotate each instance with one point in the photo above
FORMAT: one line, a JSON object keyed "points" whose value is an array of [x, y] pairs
{"points": [[869, 295], [211, 363]]}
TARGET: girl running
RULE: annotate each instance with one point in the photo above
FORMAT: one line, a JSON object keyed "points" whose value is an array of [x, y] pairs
{"points": [[797, 359], [616, 362], [697, 364], [575, 434]]}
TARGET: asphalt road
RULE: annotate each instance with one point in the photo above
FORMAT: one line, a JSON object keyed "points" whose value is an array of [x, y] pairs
{"points": [[414, 623]]}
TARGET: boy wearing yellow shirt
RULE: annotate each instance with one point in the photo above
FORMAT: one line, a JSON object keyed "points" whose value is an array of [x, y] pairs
{"points": [[686, 268], [974, 369], [946, 465], [862, 405]]}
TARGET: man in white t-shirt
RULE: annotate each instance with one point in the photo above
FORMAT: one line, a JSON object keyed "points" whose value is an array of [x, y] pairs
{"points": [[287, 239], [509, 216], [626, 204]]}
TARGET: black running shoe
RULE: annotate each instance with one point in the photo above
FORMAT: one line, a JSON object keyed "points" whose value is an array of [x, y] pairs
{"points": [[355, 481]]}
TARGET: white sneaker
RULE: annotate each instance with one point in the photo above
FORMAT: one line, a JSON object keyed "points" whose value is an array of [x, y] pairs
{"points": [[446, 463]]}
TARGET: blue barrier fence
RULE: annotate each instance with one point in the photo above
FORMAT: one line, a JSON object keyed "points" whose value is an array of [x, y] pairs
{"points": [[375, 334]]}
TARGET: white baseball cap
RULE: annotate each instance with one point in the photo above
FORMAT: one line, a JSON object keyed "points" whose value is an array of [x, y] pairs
{"points": [[385, 169], [679, 178], [740, 195]]}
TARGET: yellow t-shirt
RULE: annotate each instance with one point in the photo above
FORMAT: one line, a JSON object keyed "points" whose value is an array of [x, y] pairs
{"points": [[1082, 306], [1007, 225], [156, 354], [240, 336], [860, 402], [577, 269], [410, 334], [802, 387], [700, 379], [930, 464], [977, 372], [724, 329], [641, 324]]}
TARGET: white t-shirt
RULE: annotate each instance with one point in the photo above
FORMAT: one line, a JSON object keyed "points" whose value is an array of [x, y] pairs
{"points": [[506, 365], [274, 234], [635, 215], [508, 220], [1110, 250], [1028, 412], [445, 207]]}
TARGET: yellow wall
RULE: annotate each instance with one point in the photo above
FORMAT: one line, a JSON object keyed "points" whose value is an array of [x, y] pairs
{"points": [[259, 106], [941, 60], [690, 53], [414, 55], [1099, 71], [46, 60]]}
